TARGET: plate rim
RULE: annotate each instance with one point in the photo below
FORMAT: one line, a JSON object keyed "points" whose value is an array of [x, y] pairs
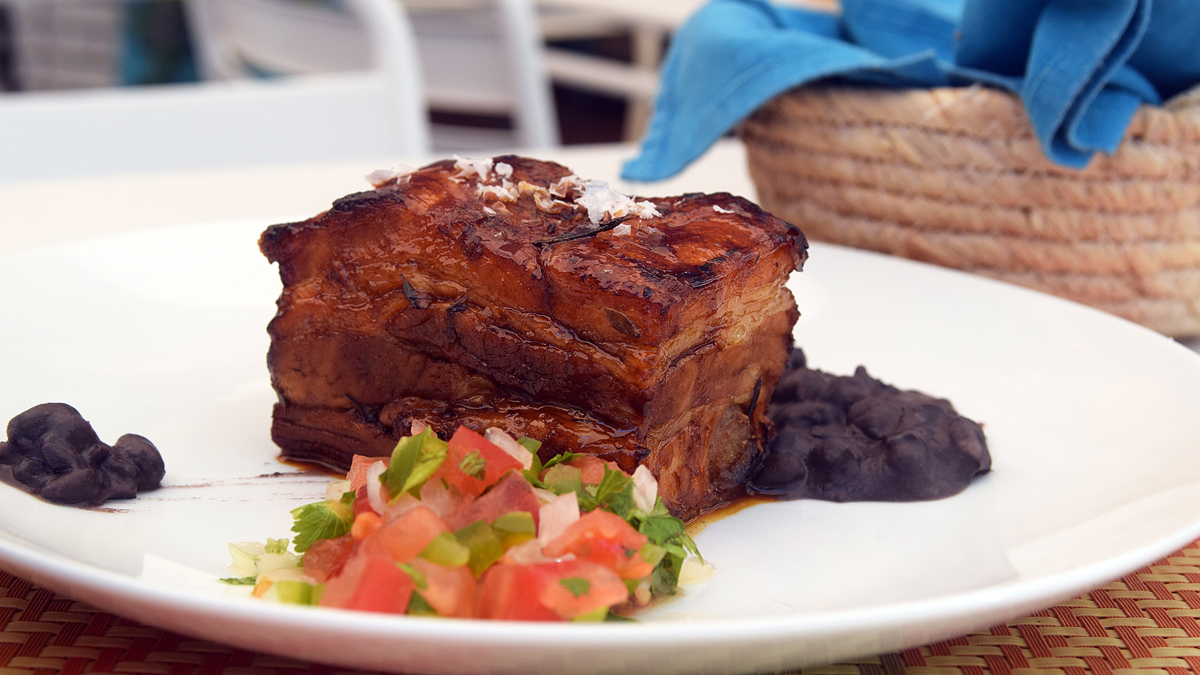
{"points": [[67, 576]]}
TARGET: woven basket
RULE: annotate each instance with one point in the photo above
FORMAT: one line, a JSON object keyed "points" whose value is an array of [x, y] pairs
{"points": [[954, 176]]}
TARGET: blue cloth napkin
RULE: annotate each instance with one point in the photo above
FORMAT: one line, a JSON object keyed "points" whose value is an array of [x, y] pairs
{"points": [[1081, 67]]}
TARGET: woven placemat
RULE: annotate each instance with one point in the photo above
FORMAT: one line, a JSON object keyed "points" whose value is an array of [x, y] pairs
{"points": [[1146, 623]]}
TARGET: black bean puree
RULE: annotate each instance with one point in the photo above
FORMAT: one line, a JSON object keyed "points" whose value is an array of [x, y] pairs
{"points": [[54, 453], [855, 438]]}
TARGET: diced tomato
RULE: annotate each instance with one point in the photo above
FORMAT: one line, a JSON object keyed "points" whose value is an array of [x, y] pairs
{"points": [[604, 588], [357, 475], [606, 539], [449, 590], [406, 536], [510, 592], [512, 493], [364, 524], [473, 463], [592, 468], [326, 557], [362, 503], [370, 583], [548, 591]]}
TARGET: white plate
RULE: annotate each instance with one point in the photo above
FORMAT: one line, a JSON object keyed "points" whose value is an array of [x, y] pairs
{"points": [[1094, 425]]}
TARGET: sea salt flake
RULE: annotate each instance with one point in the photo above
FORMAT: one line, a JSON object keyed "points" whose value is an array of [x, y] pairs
{"points": [[505, 192], [380, 177], [563, 186], [481, 167], [604, 203]]}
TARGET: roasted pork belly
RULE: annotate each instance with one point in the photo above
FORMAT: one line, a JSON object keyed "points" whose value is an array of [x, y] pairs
{"points": [[511, 293]]}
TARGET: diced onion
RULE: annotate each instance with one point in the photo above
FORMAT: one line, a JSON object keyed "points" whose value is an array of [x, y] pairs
{"points": [[695, 571], [529, 553], [375, 492], [509, 445], [642, 594], [245, 557], [544, 496], [556, 516], [645, 489], [335, 490], [438, 497], [400, 506]]}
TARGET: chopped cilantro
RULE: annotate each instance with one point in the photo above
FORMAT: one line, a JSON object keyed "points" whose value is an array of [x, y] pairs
{"points": [[530, 444], [665, 577], [577, 585], [615, 493], [561, 479], [562, 458], [240, 581], [419, 579], [534, 473], [474, 465], [276, 546], [419, 606], [668, 541], [322, 520], [652, 553]]}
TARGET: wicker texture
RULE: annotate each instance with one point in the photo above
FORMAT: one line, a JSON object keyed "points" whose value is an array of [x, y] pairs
{"points": [[45, 634], [1147, 623], [954, 176]]}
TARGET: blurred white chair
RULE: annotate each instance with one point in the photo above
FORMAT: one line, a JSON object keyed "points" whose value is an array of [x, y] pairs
{"points": [[370, 113], [486, 57], [255, 39], [477, 57]]}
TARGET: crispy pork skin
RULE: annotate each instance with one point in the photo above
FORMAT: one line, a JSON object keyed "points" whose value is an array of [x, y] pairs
{"points": [[511, 293]]}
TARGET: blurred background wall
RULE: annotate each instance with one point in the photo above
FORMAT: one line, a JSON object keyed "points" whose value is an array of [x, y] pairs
{"points": [[67, 44]]}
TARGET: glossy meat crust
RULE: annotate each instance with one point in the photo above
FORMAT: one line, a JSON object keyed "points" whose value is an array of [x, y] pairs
{"points": [[455, 295]]}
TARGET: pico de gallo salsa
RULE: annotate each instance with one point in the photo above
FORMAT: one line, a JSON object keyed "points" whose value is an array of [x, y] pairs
{"points": [[477, 527]]}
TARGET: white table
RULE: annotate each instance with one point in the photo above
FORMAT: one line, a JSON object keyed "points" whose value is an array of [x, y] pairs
{"points": [[45, 212]]}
